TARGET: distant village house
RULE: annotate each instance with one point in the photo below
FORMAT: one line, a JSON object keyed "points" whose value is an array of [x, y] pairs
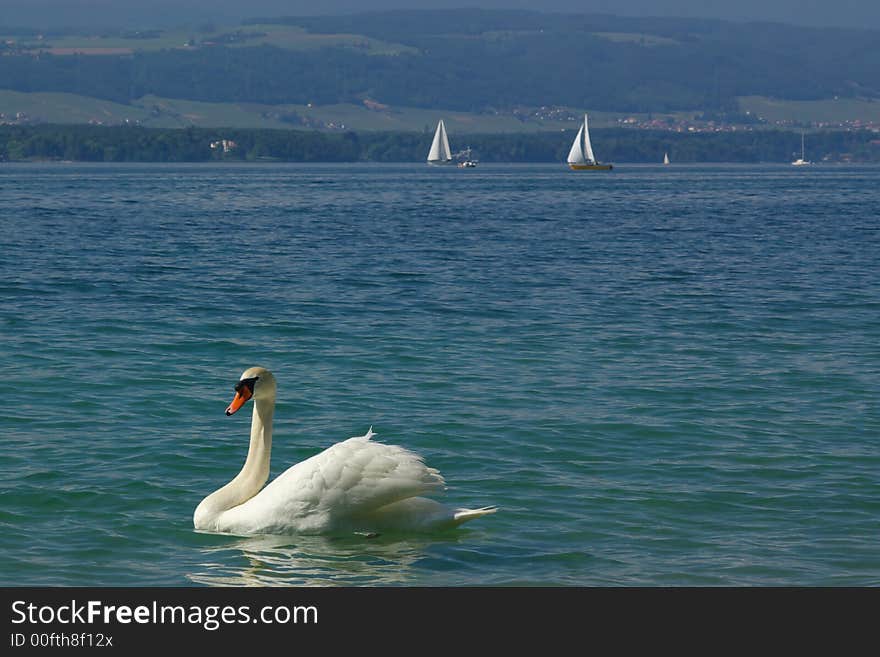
{"points": [[226, 144]]}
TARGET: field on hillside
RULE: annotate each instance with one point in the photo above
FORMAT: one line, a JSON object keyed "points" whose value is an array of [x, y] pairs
{"points": [[289, 37], [155, 112], [832, 111]]}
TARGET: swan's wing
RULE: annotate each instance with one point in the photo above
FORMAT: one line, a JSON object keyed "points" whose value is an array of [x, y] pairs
{"points": [[346, 480], [359, 473]]}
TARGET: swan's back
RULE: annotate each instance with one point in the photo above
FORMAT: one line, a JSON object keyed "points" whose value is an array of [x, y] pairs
{"points": [[335, 490]]}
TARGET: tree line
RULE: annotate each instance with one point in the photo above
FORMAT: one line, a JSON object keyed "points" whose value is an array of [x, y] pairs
{"points": [[138, 144]]}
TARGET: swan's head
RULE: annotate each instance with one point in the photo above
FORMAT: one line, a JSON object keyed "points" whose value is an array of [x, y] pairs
{"points": [[255, 383]]}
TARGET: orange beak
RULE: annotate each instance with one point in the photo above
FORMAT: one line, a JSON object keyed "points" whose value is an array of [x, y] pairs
{"points": [[241, 396]]}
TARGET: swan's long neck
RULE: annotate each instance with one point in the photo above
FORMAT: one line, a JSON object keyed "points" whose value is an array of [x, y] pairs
{"points": [[253, 475]]}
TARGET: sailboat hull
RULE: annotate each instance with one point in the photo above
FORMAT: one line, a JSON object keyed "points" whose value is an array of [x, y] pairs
{"points": [[591, 167]]}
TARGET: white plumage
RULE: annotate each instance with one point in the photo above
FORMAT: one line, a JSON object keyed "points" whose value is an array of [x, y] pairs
{"points": [[355, 485]]}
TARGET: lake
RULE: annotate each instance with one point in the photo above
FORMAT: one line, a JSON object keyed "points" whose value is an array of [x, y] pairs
{"points": [[663, 376]]}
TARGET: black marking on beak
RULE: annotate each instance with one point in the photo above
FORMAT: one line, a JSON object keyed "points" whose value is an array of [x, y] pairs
{"points": [[249, 383]]}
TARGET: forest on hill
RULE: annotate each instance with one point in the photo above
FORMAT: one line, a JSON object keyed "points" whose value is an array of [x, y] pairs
{"points": [[477, 61]]}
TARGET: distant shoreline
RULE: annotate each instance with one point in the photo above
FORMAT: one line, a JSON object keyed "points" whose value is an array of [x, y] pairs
{"points": [[85, 143]]}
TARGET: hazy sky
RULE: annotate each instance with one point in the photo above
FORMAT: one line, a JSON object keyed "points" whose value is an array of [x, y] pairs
{"points": [[142, 13]]}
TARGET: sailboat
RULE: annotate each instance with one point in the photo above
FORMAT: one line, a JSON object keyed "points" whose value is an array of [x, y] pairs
{"points": [[581, 157], [665, 158], [440, 153], [801, 161]]}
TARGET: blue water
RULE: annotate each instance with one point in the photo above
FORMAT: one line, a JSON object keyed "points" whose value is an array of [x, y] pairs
{"points": [[662, 375]]}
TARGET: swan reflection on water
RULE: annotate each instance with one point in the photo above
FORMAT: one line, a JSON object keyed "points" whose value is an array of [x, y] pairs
{"points": [[269, 560]]}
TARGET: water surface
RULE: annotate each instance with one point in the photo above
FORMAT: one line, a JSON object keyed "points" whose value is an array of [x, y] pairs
{"points": [[662, 375]]}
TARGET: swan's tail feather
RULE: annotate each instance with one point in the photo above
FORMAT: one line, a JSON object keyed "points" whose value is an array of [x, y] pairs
{"points": [[463, 515]]}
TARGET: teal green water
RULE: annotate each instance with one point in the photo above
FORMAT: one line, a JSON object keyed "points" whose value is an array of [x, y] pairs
{"points": [[663, 376]]}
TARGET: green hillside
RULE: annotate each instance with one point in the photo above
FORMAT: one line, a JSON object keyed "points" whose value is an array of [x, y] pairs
{"points": [[831, 111], [492, 69], [155, 112], [288, 37]]}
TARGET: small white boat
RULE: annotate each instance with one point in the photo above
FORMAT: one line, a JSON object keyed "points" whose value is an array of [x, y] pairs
{"points": [[665, 158], [466, 161], [440, 152], [801, 161], [581, 157]]}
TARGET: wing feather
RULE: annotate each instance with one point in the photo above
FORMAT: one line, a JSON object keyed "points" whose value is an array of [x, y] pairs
{"points": [[347, 480]]}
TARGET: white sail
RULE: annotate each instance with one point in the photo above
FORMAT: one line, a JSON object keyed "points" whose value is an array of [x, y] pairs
{"points": [[440, 151], [588, 148], [581, 150], [576, 154], [665, 158]]}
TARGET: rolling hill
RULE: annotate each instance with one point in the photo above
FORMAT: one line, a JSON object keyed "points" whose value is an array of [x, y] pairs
{"points": [[498, 70]]}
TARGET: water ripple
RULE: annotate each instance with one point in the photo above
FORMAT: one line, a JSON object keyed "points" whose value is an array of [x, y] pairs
{"points": [[662, 377]]}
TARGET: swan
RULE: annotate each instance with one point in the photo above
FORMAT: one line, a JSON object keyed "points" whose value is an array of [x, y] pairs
{"points": [[356, 485]]}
